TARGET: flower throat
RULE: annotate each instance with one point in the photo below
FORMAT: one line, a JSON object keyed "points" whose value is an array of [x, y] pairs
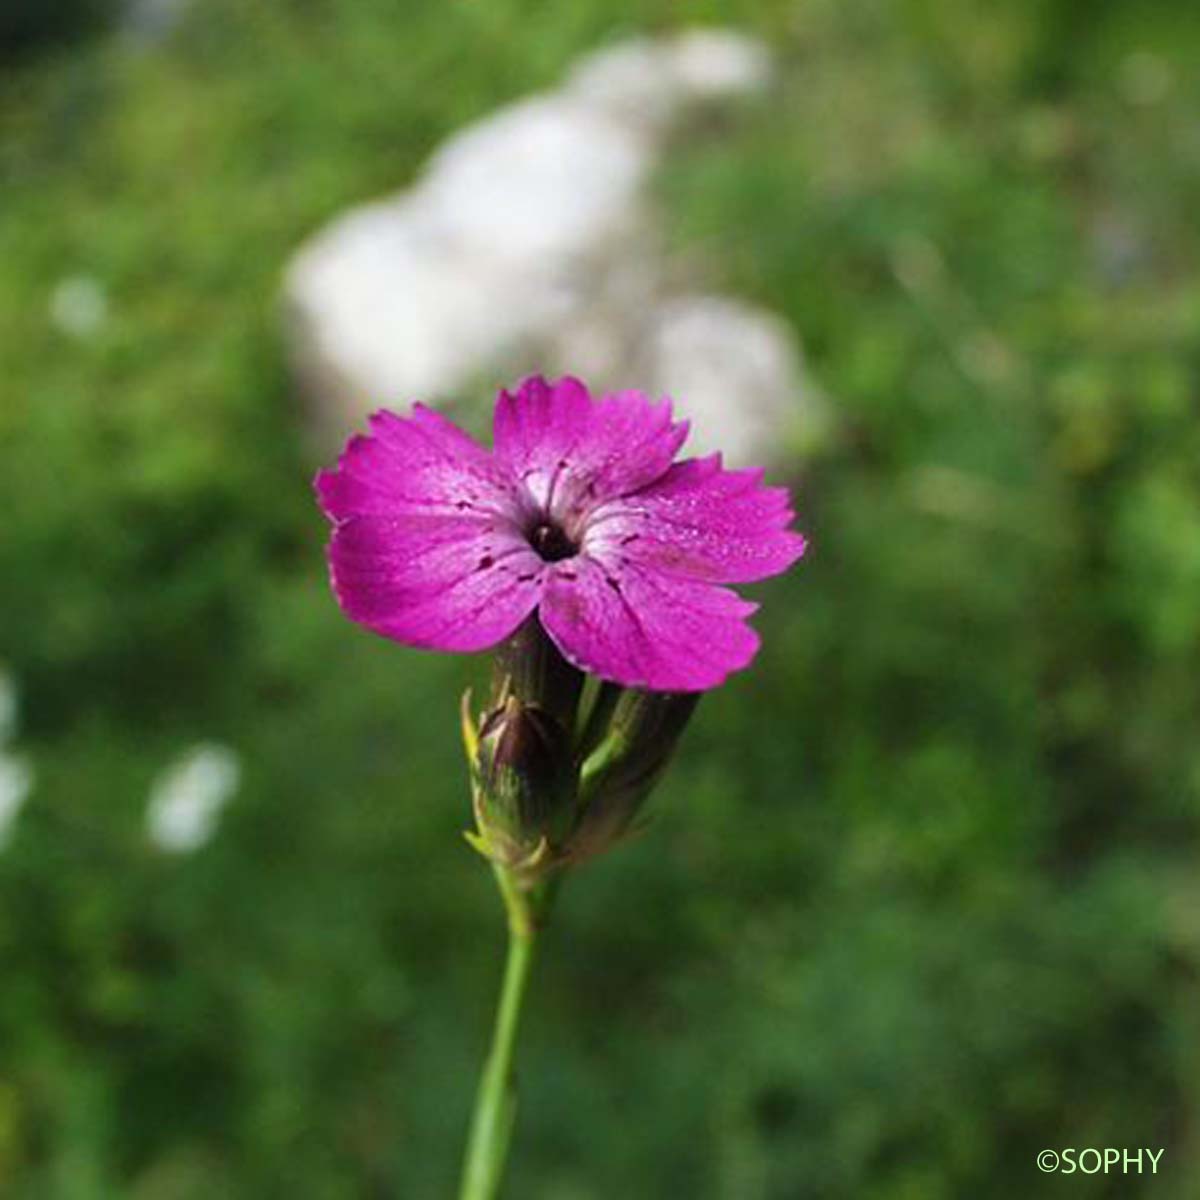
{"points": [[551, 543]]}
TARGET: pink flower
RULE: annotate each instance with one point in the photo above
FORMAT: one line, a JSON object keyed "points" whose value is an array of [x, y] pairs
{"points": [[579, 513]]}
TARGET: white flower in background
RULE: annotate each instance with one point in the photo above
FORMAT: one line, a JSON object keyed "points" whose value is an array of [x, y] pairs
{"points": [[187, 798], [16, 775], [8, 706], [16, 782], [79, 305]]}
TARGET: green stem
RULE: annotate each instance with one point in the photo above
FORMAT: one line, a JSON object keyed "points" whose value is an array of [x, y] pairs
{"points": [[496, 1101]]}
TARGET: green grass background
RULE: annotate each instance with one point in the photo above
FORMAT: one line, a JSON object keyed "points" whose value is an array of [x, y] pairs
{"points": [[922, 898]]}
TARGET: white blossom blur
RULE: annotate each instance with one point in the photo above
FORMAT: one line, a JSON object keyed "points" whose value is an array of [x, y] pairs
{"points": [[79, 305], [8, 706], [186, 800], [16, 774]]}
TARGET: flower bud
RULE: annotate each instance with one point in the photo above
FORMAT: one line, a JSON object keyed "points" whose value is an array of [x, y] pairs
{"points": [[618, 776], [523, 778]]}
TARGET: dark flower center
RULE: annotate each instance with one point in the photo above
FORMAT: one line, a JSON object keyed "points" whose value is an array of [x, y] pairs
{"points": [[551, 543]]}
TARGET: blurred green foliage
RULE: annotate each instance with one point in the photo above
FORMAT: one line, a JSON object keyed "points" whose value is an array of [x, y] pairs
{"points": [[30, 26], [923, 899]]}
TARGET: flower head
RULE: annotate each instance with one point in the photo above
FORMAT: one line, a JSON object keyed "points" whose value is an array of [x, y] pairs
{"points": [[579, 513]]}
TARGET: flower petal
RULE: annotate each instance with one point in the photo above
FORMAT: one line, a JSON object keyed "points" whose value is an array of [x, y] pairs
{"points": [[419, 464], [701, 521], [642, 628], [570, 451], [441, 582]]}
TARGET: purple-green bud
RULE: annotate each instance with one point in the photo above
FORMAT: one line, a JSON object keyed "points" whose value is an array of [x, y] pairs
{"points": [[550, 788], [524, 783], [619, 774]]}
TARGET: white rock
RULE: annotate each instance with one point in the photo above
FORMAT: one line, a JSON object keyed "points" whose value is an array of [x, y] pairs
{"points": [[529, 243], [647, 82], [737, 373], [412, 297], [543, 180], [633, 82], [187, 798], [387, 312], [717, 64]]}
